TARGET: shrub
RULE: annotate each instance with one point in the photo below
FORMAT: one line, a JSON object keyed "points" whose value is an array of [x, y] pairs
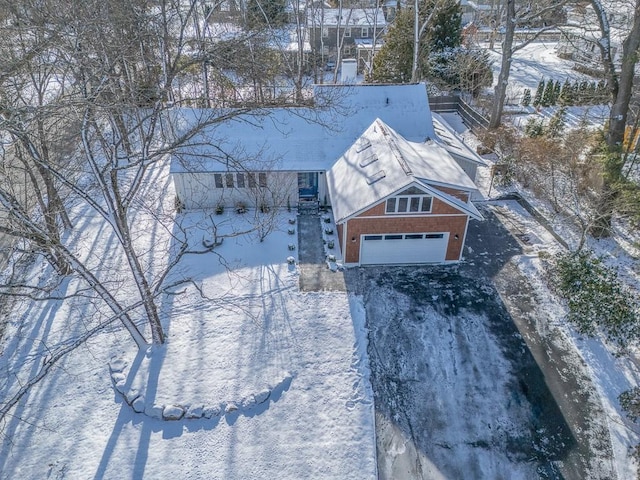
{"points": [[597, 299]]}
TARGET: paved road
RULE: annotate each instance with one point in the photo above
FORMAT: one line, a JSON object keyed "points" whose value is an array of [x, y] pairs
{"points": [[466, 383]]}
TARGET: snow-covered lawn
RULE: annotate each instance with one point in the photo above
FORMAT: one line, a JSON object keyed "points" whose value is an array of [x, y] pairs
{"points": [[268, 382], [535, 62]]}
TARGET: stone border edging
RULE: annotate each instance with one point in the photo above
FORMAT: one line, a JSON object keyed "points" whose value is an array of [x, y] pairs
{"points": [[171, 412]]}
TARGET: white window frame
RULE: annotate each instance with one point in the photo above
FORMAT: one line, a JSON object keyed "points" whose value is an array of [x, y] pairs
{"points": [[325, 32], [364, 32], [409, 199], [347, 32]]}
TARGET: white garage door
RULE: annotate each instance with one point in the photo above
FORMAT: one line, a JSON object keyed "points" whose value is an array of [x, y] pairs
{"points": [[403, 248]]}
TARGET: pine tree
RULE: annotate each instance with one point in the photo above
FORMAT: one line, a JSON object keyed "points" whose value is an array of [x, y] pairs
{"points": [[534, 128], [265, 12], [547, 94], [556, 123], [583, 92], [447, 26], [575, 92], [591, 93], [602, 94], [566, 94], [393, 63], [526, 97], [557, 88], [537, 99]]}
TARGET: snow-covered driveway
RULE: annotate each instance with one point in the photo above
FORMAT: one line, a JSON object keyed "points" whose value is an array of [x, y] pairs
{"points": [[458, 392]]}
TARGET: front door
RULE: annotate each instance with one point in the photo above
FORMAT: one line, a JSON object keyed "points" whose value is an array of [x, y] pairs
{"points": [[308, 185]]}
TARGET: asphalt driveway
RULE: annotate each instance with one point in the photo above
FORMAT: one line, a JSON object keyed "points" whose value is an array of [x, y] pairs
{"points": [[465, 385]]}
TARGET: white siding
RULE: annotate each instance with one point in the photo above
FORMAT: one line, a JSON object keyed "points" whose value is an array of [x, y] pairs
{"points": [[198, 190]]}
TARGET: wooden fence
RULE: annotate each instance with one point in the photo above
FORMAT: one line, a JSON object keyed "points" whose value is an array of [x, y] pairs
{"points": [[453, 103]]}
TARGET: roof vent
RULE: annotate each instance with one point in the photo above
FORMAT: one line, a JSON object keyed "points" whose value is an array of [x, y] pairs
{"points": [[362, 145], [368, 160], [376, 177]]}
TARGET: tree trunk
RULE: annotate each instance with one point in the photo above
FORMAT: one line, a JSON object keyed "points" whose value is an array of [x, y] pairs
{"points": [[500, 91], [620, 89]]}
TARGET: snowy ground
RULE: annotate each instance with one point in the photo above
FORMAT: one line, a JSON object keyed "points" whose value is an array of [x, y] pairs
{"points": [[535, 62], [268, 382], [277, 382], [610, 374]]}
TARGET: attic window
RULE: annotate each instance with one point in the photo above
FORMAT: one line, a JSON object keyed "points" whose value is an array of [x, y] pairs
{"points": [[412, 191], [376, 177], [362, 145], [368, 160]]}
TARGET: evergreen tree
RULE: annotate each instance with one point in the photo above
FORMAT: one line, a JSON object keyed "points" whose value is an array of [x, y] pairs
{"points": [[557, 88], [583, 92], [537, 99], [602, 93], [392, 64], [265, 12], [526, 97], [461, 68], [534, 128], [547, 94], [447, 26], [575, 92], [556, 123], [591, 93], [566, 94]]}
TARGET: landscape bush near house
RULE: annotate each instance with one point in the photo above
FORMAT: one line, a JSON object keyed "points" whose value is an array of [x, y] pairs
{"points": [[597, 301]]}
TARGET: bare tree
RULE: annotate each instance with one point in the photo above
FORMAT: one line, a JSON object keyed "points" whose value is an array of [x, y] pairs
{"points": [[512, 16], [620, 82], [105, 85]]}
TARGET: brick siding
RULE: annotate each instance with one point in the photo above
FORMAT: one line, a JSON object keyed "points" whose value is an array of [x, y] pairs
{"points": [[455, 225]]}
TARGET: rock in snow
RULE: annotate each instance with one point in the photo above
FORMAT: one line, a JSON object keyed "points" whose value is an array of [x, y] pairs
{"points": [[195, 411], [154, 411], [138, 404], [172, 412]]}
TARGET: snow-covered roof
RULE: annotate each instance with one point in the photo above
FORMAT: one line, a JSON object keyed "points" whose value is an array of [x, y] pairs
{"points": [[300, 138], [347, 17], [452, 142], [381, 162]]}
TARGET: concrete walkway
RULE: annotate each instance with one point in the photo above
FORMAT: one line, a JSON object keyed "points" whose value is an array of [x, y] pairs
{"points": [[315, 275]]}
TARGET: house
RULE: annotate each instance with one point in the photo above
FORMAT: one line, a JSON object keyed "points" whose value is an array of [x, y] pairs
{"points": [[332, 27], [581, 37], [371, 153], [396, 201]]}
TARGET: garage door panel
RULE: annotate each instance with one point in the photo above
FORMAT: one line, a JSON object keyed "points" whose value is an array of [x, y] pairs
{"points": [[403, 248]]}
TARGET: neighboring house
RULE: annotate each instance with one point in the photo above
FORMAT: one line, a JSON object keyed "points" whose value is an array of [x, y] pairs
{"points": [[331, 27], [375, 158], [580, 38]]}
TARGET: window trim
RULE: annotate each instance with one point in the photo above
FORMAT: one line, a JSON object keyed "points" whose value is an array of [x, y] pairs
{"points": [[217, 180], [393, 204], [240, 180], [364, 32], [228, 180], [251, 180]]}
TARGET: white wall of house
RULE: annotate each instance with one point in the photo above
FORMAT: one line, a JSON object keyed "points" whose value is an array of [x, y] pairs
{"points": [[208, 190]]}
